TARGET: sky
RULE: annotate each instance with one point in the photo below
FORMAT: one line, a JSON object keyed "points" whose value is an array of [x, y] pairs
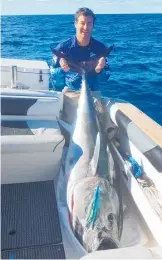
{"points": [[21, 7]]}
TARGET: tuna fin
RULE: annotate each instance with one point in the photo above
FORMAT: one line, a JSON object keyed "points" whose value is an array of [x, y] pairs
{"points": [[66, 130], [95, 158], [64, 125]]}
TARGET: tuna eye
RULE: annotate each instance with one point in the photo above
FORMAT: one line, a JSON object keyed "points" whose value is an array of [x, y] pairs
{"points": [[111, 218]]}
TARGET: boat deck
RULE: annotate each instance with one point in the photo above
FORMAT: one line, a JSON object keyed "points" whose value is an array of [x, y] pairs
{"points": [[30, 222]]}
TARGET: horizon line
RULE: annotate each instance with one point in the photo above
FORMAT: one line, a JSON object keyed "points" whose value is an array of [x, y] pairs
{"points": [[73, 14]]}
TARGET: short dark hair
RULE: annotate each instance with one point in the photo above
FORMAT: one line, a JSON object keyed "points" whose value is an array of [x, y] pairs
{"points": [[84, 11]]}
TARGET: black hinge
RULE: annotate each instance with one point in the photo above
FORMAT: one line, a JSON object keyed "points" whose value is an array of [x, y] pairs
{"points": [[40, 76]]}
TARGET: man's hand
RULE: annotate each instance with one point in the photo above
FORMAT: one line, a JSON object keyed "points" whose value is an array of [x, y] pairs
{"points": [[64, 65], [100, 65]]}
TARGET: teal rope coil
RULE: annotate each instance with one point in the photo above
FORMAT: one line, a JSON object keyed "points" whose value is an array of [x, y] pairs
{"points": [[135, 167]]}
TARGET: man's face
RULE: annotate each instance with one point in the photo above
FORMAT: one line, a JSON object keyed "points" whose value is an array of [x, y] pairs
{"points": [[84, 26]]}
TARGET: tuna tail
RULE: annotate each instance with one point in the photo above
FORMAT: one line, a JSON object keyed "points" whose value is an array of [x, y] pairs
{"points": [[63, 55], [58, 53], [108, 50], [76, 66]]}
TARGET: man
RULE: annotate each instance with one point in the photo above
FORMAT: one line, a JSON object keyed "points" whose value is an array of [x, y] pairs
{"points": [[81, 47]]}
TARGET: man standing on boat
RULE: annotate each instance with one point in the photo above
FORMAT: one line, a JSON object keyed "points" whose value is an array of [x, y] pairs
{"points": [[79, 48]]}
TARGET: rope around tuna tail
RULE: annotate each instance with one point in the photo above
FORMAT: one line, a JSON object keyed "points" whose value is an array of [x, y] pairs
{"points": [[135, 167], [152, 194], [93, 208]]}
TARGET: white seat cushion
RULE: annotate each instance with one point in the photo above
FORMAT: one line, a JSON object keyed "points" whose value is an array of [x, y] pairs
{"points": [[31, 152]]}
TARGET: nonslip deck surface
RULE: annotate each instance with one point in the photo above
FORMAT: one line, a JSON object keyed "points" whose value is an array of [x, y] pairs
{"points": [[30, 226]]}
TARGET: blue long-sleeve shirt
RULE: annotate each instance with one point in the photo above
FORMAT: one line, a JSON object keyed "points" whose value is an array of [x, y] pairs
{"points": [[79, 53]]}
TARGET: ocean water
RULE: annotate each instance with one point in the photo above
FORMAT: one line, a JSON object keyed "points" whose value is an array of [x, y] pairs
{"points": [[135, 62]]}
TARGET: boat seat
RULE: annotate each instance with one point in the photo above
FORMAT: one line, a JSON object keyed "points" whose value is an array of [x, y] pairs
{"points": [[31, 150], [25, 104]]}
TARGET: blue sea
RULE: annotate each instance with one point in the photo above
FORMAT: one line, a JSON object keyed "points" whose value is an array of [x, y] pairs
{"points": [[135, 62]]}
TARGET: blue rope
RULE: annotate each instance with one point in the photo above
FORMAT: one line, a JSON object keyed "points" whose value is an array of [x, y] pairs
{"points": [[93, 208], [136, 168]]}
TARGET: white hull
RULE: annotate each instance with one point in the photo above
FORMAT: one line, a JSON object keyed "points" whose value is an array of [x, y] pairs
{"points": [[34, 152]]}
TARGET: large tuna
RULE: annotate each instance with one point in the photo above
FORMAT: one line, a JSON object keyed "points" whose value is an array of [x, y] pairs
{"points": [[93, 200]]}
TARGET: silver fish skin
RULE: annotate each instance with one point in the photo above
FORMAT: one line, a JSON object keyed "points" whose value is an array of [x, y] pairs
{"points": [[89, 164]]}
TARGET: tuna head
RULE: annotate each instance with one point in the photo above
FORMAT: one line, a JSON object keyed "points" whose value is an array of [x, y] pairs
{"points": [[95, 221]]}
